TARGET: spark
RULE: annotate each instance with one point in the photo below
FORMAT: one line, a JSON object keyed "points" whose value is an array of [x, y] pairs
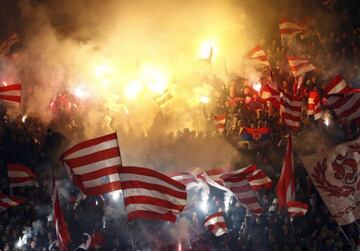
{"points": [[4, 83], [23, 119], [204, 99], [133, 89], [327, 118], [80, 92], [327, 121], [256, 87], [207, 50]]}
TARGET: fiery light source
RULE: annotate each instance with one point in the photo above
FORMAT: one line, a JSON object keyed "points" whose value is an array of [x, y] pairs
{"points": [[327, 121], [23, 119], [80, 92], [204, 99], [256, 87], [207, 50], [102, 69], [4, 83], [179, 246], [326, 118], [132, 89], [156, 80]]}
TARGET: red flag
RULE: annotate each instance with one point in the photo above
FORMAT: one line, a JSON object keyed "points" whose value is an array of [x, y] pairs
{"points": [[20, 175], [285, 189], [299, 66], [220, 121], [296, 208], [7, 201], [151, 195], [290, 110], [188, 179], [258, 55], [271, 92], [62, 233], [10, 93], [216, 224], [93, 164], [258, 180], [289, 29], [314, 107]]}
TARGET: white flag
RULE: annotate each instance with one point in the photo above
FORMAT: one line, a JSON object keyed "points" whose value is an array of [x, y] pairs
{"points": [[335, 174]]}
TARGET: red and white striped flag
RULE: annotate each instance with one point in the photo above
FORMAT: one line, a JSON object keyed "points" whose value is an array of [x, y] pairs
{"points": [[216, 224], [271, 92], [290, 110], [240, 186], [289, 29], [314, 107], [296, 208], [220, 121], [211, 177], [341, 98], [151, 195], [285, 189], [7, 201], [20, 176], [10, 93], [62, 232], [95, 164], [338, 85], [258, 180], [188, 179], [299, 66], [8, 43], [258, 55]]}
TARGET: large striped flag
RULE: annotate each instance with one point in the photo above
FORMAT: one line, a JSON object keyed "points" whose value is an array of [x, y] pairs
{"points": [[8, 43], [296, 208], [62, 232], [314, 106], [220, 121], [149, 194], [290, 110], [299, 66], [7, 201], [216, 224], [258, 180], [258, 55], [289, 29], [342, 99], [10, 93], [285, 189], [271, 92], [20, 176], [240, 186], [94, 164]]}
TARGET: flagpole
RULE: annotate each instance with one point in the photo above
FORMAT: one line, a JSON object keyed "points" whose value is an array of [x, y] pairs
{"points": [[347, 238]]}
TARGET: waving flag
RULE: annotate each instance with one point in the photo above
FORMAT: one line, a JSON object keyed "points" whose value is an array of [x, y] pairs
{"points": [[94, 164], [185, 178], [255, 137], [10, 93], [216, 224], [341, 98], [271, 92], [8, 43], [62, 233], [258, 55], [296, 208], [285, 189], [289, 29], [240, 186], [299, 66], [163, 98], [220, 121], [335, 174], [20, 176], [314, 107], [7, 201], [151, 195], [258, 180], [290, 110]]}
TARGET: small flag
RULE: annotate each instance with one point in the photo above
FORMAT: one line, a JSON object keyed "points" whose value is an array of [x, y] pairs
{"points": [[7, 201], [258, 55], [314, 107], [296, 208], [10, 93], [290, 110], [163, 99], [289, 29], [216, 224], [220, 121], [20, 176], [299, 66]]}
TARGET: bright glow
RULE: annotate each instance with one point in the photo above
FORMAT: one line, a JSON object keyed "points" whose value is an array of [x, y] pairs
{"points": [[21, 242], [115, 195], [126, 110], [207, 50], [4, 83], [179, 246], [204, 99], [23, 119], [132, 89], [256, 87], [326, 118], [102, 69], [156, 81], [80, 92], [327, 121]]}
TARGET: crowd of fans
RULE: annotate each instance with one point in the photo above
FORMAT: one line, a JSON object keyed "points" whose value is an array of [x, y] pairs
{"points": [[30, 227]]}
